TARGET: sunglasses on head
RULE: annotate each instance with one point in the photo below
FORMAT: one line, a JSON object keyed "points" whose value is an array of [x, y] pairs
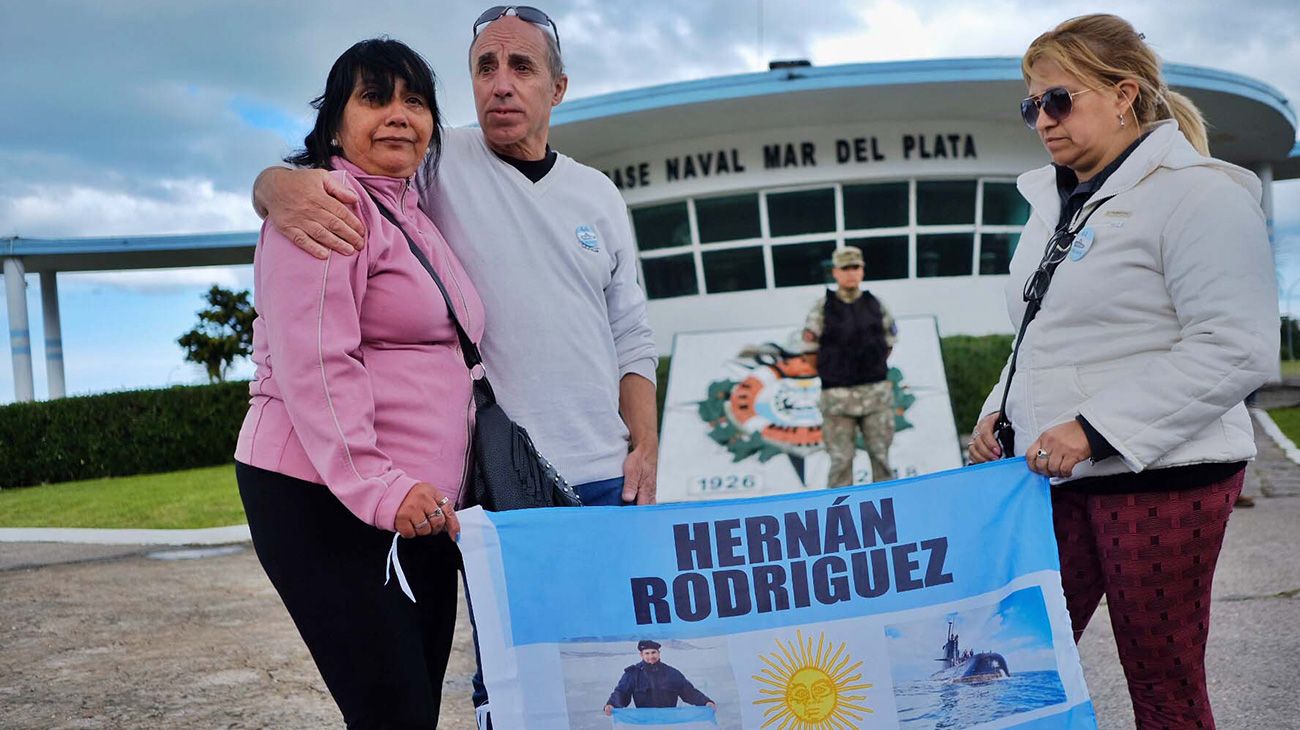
{"points": [[1056, 102], [525, 13]]}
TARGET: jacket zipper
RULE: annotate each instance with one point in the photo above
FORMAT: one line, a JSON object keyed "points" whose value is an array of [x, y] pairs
{"points": [[464, 305], [469, 445], [469, 411]]}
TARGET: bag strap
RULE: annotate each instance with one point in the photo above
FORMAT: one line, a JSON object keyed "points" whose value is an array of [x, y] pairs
{"points": [[484, 396], [467, 347], [1031, 311]]}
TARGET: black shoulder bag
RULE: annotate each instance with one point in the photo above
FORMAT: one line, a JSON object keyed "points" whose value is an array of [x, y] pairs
{"points": [[507, 472], [1058, 247]]}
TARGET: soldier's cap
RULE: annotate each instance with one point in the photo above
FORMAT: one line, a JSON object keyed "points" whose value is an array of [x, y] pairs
{"points": [[847, 256], [644, 644]]}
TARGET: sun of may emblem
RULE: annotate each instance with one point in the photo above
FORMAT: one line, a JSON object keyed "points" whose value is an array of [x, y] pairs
{"points": [[809, 687]]}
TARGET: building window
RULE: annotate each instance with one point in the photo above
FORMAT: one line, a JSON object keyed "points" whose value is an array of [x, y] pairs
{"points": [[785, 238], [1004, 205], [662, 226], [945, 202], [670, 276], [995, 252], [801, 264], [801, 211], [879, 205], [734, 269], [884, 257], [728, 218], [944, 254]]}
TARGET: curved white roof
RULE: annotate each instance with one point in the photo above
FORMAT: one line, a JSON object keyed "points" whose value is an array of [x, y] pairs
{"points": [[1250, 121]]}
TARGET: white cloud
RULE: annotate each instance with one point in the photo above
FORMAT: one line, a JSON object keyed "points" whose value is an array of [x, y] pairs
{"points": [[1251, 40], [1040, 659], [1286, 205], [892, 30], [153, 281], [119, 118], [185, 206]]}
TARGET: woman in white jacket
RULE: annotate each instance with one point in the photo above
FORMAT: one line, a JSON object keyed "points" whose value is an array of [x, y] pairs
{"points": [[1147, 269]]}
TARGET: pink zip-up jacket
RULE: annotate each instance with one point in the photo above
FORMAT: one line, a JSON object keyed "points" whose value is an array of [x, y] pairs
{"points": [[360, 382]]}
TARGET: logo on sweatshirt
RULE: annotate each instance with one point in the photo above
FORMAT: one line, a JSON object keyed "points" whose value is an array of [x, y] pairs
{"points": [[1082, 242], [587, 237]]}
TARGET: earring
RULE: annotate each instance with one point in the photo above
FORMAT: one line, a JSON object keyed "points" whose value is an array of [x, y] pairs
{"points": [[1121, 120], [335, 142]]}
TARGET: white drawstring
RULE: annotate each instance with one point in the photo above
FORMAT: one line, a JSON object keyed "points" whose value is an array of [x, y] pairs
{"points": [[394, 565]]}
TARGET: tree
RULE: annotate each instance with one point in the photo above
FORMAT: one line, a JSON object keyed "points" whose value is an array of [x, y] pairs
{"points": [[224, 332]]}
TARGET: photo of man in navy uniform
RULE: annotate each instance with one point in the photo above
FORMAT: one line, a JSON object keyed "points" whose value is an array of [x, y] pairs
{"points": [[651, 683]]}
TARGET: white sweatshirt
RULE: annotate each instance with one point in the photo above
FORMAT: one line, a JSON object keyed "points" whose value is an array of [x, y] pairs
{"points": [[555, 265]]}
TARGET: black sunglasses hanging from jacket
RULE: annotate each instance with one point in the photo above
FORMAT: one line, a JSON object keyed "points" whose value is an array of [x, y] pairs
{"points": [[1035, 289]]}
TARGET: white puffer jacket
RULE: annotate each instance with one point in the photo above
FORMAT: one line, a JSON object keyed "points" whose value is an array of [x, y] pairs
{"points": [[1166, 324]]}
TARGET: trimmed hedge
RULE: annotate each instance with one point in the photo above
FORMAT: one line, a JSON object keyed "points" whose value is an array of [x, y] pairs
{"points": [[973, 365], [149, 431], [661, 386], [120, 434]]}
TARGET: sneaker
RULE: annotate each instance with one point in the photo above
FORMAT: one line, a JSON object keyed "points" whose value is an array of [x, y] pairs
{"points": [[483, 717]]}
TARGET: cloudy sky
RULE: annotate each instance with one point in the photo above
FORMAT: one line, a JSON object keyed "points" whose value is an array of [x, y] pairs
{"points": [[143, 116]]}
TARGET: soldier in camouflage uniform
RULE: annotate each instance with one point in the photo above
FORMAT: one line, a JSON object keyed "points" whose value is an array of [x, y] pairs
{"points": [[850, 335]]}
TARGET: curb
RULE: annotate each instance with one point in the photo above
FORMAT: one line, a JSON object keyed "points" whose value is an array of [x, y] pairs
{"points": [[1287, 446], [93, 536]]}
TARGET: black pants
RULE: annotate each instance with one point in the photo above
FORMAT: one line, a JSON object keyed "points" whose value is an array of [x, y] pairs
{"points": [[382, 657]]}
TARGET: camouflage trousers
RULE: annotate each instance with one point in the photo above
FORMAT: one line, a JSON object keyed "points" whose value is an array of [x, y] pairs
{"points": [[867, 407]]}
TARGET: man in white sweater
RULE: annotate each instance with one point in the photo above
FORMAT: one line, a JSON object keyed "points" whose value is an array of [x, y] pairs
{"points": [[548, 244], [549, 247]]}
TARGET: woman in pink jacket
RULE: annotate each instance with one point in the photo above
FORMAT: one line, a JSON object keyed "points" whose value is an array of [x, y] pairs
{"points": [[361, 411]]}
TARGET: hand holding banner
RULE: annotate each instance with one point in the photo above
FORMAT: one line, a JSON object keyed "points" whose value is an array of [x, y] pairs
{"points": [[923, 602]]}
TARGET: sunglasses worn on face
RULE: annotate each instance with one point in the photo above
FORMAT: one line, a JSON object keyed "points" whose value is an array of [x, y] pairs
{"points": [[1056, 102], [523, 12]]}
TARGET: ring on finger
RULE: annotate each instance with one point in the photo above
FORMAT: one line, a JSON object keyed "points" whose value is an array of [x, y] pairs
{"points": [[443, 501], [423, 524], [1041, 454]]}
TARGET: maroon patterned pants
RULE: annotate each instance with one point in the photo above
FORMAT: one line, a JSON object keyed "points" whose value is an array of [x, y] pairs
{"points": [[1152, 554]]}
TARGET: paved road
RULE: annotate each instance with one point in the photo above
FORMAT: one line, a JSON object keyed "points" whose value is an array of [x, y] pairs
{"points": [[109, 637]]}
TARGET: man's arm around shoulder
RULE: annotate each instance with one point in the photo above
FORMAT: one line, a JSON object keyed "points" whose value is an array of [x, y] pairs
{"points": [[310, 207]]}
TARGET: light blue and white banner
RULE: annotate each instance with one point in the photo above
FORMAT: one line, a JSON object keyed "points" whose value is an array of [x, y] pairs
{"points": [[677, 718], [923, 603]]}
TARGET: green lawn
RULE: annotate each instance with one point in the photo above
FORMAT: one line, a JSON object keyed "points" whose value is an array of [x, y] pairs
{"points": [[181, 499], [1287, 419]]}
